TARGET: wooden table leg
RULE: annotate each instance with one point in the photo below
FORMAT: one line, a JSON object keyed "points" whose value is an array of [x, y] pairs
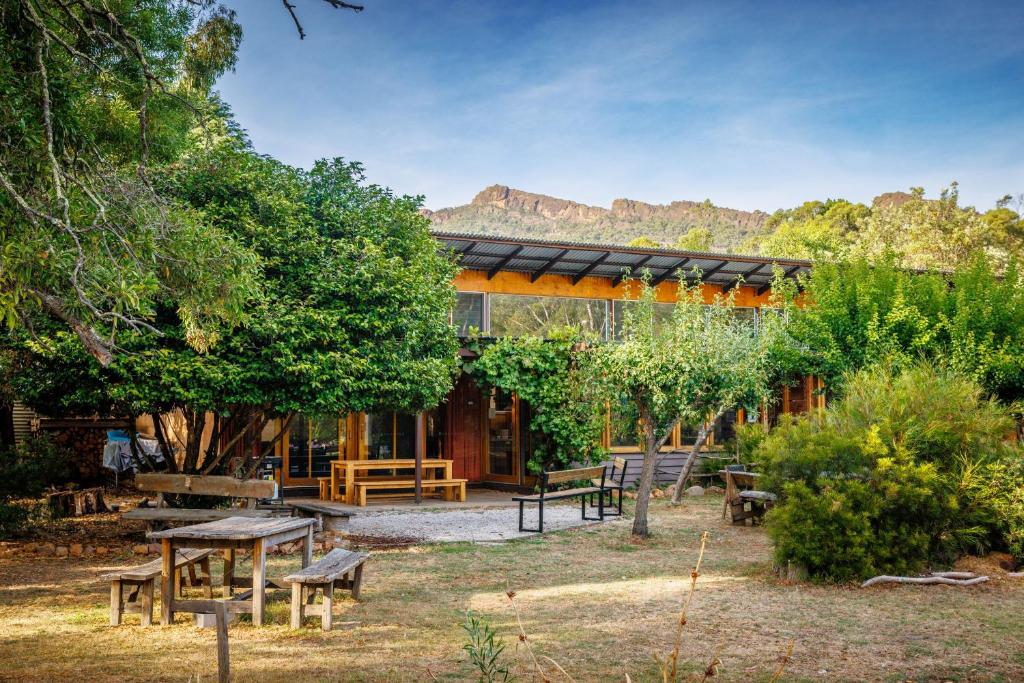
{"points": [[229, 572], [259, 581], [333, 495], [166, 582], [307, 548], [350, 484]]}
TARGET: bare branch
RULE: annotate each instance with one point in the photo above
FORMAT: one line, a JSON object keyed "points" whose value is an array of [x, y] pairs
{"points": [[336, 4]]}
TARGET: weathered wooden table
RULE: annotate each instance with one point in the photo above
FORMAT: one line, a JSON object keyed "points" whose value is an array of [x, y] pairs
{"points": [[230, 534]]}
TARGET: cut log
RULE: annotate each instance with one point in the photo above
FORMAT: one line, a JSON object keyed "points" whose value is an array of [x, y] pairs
{"points": [[77, 503], [924, 580]]}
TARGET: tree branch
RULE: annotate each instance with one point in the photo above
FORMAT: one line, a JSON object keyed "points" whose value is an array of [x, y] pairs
{"points": [[336, 4]]}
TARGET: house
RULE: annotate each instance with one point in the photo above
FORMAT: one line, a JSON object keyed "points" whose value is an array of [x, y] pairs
{"points": [[518, 286]]}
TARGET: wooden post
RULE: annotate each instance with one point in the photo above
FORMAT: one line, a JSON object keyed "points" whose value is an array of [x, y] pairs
{"points": [[229, 572], [307, 547], [166, 582], [421, 433], [259, 580], [116, 602], [223, 655]]}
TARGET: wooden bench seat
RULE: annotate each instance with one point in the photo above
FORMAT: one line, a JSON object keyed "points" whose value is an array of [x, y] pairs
{"points": [[143, 578], [337, 569], [548, 479], [190, 515], [452, 488], [244, 491], [743, 500], [330, 517]]}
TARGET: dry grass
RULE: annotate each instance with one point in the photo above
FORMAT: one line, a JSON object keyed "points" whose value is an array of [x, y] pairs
{"points": [[597, 603]]}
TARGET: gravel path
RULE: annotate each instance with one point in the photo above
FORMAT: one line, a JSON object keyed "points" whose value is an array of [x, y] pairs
{"points": [[489, 525]]}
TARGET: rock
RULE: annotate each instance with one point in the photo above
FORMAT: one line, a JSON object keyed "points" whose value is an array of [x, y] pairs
{"points": [[142, 549], [154, 548], [102, 551], [271, 549], [89, 551], [715, 490], [695, 491], [61, 551], [47, 548], [29, 548], [76, 550]]}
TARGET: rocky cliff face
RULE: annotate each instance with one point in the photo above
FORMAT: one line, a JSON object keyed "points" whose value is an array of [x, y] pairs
{"points": [[499, 209]]}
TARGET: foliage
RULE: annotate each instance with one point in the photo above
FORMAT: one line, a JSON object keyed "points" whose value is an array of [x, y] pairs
{"points": [[815, 230], [643, 242], [695, 239], [860, 313], [890, 478], [698, 363], [354, 316], [484, 649], [566, 411], [92, 96], [28, 470]]}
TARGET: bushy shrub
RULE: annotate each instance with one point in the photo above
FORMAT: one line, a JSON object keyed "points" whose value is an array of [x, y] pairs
{"points": [[26, 473], [897, 475]]}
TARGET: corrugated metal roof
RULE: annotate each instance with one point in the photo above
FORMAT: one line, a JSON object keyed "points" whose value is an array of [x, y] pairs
{"points": [[493, 254]]}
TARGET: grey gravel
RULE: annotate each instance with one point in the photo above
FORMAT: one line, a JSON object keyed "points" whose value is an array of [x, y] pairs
{"points": [[488, 525]]}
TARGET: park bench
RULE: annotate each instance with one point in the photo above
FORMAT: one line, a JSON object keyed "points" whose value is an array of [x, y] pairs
{"points": [[143, 579], [742, 499], [614, 484], [338, 569], [243, 493], [329, 517], [451, 488], [549, 479]]}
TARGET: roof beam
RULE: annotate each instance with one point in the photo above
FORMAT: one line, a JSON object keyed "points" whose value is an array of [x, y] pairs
{"points": [[711, 271], [547, 266], [768, 285], [594, 264], [504, 262], [735, 282], [465, 251], [637, 266], [669, 272]]}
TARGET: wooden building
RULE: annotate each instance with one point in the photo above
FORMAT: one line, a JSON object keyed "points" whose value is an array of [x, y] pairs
{"points": [[514, 286]]}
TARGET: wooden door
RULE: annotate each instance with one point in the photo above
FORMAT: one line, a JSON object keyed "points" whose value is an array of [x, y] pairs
{"points": [[466, 430]]}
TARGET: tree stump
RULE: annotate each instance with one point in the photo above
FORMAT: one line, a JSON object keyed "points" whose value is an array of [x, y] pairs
{"points": [[77, 503]]}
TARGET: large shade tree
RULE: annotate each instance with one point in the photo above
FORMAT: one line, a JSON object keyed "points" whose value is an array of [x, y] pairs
{"points": [[354, 315], [689, 367]]}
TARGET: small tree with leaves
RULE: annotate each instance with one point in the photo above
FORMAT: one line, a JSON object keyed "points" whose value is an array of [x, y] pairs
{"points": [[699, 362]]}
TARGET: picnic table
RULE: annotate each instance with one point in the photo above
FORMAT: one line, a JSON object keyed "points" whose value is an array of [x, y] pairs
{"points": [[230, 535], [741, 492], [345, 471]]}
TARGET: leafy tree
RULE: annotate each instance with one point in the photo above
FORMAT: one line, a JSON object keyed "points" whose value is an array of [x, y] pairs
{"points": [[92, 95], [699, 363], [695, 239], [355, 314], [566, 411], [815, 230], [643, 242]]}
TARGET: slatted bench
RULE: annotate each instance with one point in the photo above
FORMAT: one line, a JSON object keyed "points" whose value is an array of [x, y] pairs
{"points": [[243, 493], [144, 577], [742, 499], [451, 488], [337, 569], [330, 517], [548, 479]]}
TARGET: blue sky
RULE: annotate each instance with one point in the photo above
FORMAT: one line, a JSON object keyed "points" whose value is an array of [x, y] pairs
{"points": [[753, 104]]}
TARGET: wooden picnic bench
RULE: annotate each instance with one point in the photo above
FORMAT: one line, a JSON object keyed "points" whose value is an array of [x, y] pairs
{"points": [[329, 517], [338, 569], [742, 499], [243, 493], [549, 479], [143, 579], [452, 489]]}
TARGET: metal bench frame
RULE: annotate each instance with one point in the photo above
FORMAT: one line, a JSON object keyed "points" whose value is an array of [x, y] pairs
{"points": [[560, 476]]}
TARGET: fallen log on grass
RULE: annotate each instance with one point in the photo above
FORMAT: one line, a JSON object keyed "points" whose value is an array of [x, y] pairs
{"points": [[926, 580]]}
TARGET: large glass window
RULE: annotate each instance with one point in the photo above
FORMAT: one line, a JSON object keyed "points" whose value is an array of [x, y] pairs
{"points": [[500, 428], [662, 314], [468, 313], [390, 435], [521, 316], [624, 424], [313, 442]]}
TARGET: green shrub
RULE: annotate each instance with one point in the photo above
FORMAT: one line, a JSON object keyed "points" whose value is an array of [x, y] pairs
{"points": [[897, 475], [27, 471]]}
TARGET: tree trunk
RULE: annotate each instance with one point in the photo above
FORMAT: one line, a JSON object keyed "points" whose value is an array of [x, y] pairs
{"points": [[684, 472], [652, 445]]}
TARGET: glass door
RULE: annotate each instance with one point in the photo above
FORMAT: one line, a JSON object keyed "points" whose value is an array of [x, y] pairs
{"points": [[502, 458], [311, 444]]}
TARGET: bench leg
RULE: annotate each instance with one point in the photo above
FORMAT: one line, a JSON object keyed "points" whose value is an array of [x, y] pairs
{"points": [[146, 602], [462, 492], [193, 579], [296, 605], [521, 516], [357, 582], [116, 603], [326, 609], [167, 575], [540, 517]]}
